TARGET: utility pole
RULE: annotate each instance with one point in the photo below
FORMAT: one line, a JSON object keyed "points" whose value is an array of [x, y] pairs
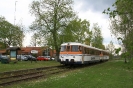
{"points": [[15, 13]]}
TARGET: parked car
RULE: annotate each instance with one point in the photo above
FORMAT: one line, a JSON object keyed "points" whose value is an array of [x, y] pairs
{"points": [[42, 58], [22, 58], [4, 59], [0, 57], [30, 57], [52, 58], [48, 57]]}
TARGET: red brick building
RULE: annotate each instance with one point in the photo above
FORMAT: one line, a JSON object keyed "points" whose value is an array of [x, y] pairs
{"points": [[3, 51], [36, 51]]}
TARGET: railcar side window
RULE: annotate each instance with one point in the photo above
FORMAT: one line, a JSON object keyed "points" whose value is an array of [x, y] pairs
{"points": [[97, 52], [63, 48], [75, 48], [68, 48], [92, 51], [80, 48], [84, 50]]}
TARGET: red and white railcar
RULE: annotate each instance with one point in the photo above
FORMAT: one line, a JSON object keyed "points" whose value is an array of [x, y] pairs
{"points": [[77, 53]]}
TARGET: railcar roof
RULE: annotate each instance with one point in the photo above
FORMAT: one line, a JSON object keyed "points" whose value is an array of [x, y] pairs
{"points": [[71, 43], [87, 46]]}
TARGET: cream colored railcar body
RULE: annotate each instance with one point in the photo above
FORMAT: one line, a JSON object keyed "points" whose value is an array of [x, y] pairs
{"points": [[77, 53]]}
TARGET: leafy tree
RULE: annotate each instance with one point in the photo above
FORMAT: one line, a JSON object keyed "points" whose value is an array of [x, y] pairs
{"points": [[111, 49], [2, 45], [33, 41], [51, 17], [10, 35], [18, 36], [77, 31], [37, 39], [97, 39], [121, 24]]}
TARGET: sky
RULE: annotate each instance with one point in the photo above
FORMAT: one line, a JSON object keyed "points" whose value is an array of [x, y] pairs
{"points": [[90, 10]]}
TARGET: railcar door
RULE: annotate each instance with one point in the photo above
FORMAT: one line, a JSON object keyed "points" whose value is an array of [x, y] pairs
{"points": [[83, 53], [101, 56]]}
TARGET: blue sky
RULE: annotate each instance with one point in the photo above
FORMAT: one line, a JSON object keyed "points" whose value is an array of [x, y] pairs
{"points": [[90, 10]]}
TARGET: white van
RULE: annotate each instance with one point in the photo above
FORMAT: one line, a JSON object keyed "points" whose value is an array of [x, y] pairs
{"points": [[48, 57]]}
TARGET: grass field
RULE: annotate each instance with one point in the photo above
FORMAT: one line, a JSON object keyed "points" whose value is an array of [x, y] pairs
{"points": [[111, 74], [25, 65]]}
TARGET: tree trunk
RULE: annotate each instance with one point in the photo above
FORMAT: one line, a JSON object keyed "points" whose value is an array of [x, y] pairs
{"points": [[56, 46], [57, 56], [125, 60]]}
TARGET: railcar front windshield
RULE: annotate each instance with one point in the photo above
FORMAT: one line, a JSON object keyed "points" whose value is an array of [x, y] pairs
{"points": [[75, 48], [63, 48]]}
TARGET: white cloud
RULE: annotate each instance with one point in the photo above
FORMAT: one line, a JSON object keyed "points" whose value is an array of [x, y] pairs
{"points": [[7, 9], [96, 17], [27, 39]]}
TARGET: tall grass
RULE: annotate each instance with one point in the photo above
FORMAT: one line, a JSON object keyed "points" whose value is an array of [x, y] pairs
{"points": [[111, 74]]}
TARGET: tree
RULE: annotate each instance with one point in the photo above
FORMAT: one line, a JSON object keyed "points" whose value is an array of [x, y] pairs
{"points": [[121, 24], [77, 31], [33, 41], [111, 49], [10, 35], [97, 39], [2, 45], [51, 17]]}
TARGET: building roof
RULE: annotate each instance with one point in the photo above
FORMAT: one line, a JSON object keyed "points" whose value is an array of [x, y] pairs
{"points": [[14, 48], [3, 51], [28, 49]]}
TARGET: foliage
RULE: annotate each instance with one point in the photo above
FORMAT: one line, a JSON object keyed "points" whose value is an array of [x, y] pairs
{"points": [[117, 50], [111, 48], [34, 39], [121, 23], [97, 39], [2, 45], [10, 35], [77, 31], [51, 17]]}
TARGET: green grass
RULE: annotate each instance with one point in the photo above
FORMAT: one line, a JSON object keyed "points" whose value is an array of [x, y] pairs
{"points": [[26, 65], [111, 74]]}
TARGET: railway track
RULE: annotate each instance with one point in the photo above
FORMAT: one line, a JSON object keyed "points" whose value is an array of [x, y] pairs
{"points": [[11, 77], [8, 78]]}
